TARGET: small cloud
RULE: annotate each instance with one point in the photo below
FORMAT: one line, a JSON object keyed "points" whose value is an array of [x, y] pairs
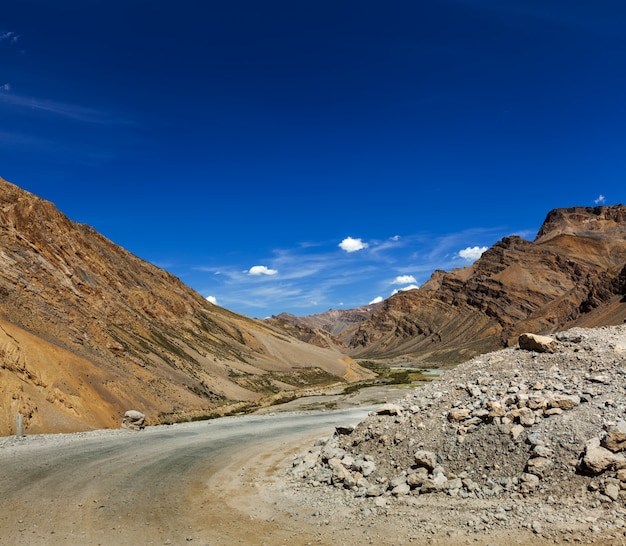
{"points": [[395, 238], [472, 253], [410, 287], [404, 279], [261, 270], [212, 299], [352, 245], [600, 200], [9, 36], [376, 300], [6, 87]]}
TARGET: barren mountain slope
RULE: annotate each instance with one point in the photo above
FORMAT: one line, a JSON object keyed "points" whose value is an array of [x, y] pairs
{"points": [[89, 330], [573, 274]]}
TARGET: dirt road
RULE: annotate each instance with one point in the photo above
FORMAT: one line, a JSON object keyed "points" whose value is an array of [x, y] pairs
{"points": [[176, 484]]}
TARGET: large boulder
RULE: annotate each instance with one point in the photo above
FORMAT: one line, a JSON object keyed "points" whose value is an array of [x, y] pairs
{"points": [[539, 344], [134, 420]]}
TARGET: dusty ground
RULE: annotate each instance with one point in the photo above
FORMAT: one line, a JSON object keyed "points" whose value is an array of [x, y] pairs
{"points": [[166, 487]]}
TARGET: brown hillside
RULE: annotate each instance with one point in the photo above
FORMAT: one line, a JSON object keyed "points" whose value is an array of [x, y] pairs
{"points": [[88, 330], [573, 274]]}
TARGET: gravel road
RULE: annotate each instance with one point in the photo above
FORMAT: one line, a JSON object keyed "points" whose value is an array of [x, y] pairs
{"points": [[179, 484]]}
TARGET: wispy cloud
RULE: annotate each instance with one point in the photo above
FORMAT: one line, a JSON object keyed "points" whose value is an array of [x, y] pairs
{"points": [[318, 276], [66, 110], [9, 36], [600, 200]]}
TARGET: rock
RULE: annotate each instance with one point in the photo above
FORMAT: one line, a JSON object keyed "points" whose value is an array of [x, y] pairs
{"points": [[426, 459], [516, 431], [597, 459], [526, 417], [563, 401], [134, 420], [612, 490], [344, 430], [401, 489], [458, 414], [539, 344], [367, 467], [539, 466], [615, 438], [389, 409]]}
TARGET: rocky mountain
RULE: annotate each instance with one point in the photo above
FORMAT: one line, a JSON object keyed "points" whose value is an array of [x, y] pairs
{"points": [[572, 274], [324, 329], [88, 331]]}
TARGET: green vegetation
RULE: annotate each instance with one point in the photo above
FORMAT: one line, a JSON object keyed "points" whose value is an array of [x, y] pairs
{"points": [[385, 375]]}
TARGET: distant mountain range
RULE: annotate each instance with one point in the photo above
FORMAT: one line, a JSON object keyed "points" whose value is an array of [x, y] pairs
{"points": [[88, 330], [572, 274]]}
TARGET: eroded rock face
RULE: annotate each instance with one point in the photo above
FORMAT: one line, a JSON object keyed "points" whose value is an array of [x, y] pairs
{"points": [[574, 270]]}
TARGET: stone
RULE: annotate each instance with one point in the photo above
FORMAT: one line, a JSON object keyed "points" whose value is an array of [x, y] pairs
{"points": [[539, 466], [496, 409], [400, 490], [526, 417], [389, 409], [612, 490], [516, 431], [615, 438], [537, 343], [458, 414], [367, 467], [134, 420], [426, 459], [597, 459], [564, 401], [344, 430]]}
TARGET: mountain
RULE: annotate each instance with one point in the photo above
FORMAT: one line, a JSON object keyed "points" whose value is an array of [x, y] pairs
{"points": [[88, 331], [323, 329], [572, 274]]}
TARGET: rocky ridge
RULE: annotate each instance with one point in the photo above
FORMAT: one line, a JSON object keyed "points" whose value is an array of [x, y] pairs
{"points": [[572, 274], [515, 440]]}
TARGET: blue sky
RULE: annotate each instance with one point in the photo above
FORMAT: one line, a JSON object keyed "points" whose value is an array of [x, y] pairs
{"points": [[302, 156]]}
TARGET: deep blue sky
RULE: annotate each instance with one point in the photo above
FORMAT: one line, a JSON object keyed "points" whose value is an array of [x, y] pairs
{"points": [[237, 144]]}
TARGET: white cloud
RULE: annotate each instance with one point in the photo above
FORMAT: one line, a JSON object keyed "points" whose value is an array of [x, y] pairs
{"points": [[410, 287], [378, 299], [6, 87], [212, 299], [600, 200], [352, 245], [472, 253], [404, 279], [9, 37], [261, 270]]}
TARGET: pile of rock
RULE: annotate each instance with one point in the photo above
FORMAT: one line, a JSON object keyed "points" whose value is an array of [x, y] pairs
{"points": [[513, 423]]}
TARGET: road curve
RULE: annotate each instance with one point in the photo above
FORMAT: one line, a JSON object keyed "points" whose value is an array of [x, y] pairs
{"points": [[163, 485]]}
